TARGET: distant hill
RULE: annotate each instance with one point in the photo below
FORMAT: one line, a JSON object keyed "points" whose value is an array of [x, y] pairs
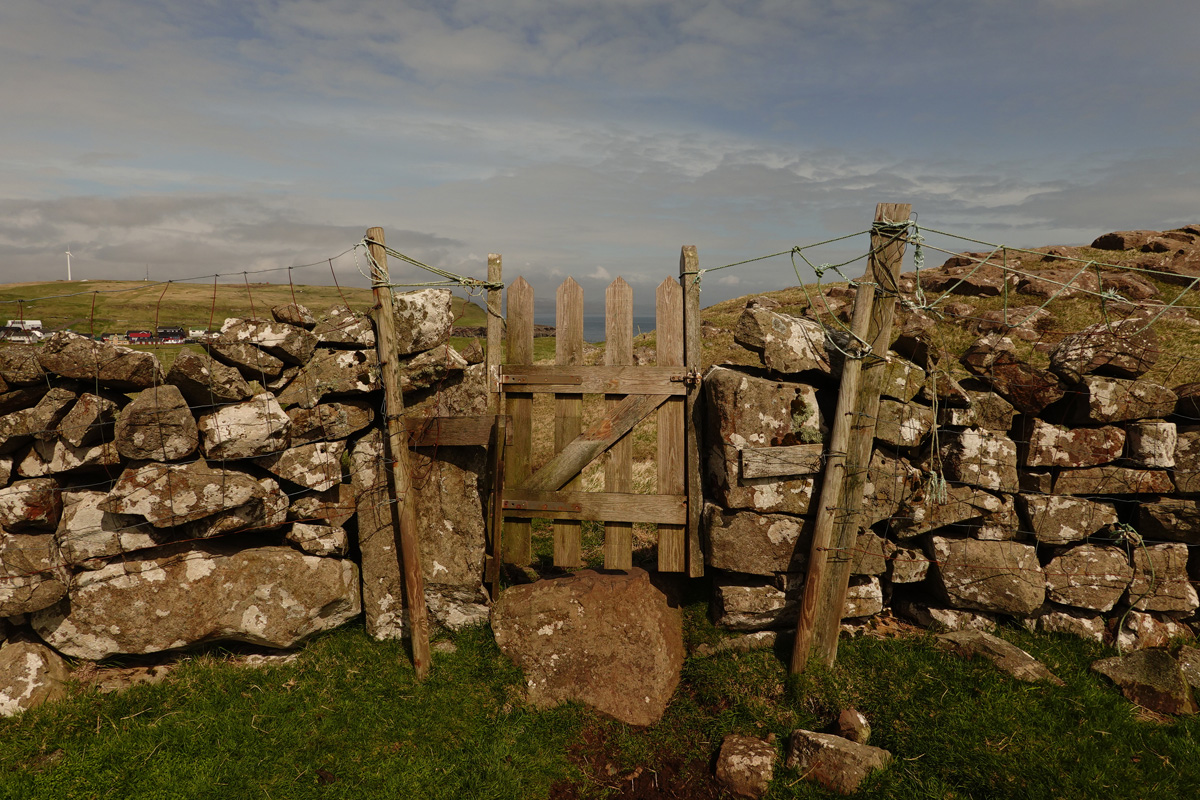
{"points": [[97, 307]]}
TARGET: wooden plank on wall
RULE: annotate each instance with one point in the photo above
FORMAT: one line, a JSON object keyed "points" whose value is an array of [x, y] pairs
{"points": [[474, 429], [595, 379], [516, 544], [597, 506], [689, 280], [618, 470], [568, 409], [779, 462], [672, 538]]}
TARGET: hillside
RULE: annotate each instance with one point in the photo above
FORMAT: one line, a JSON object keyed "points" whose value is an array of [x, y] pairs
{"points": [[97, 307]]}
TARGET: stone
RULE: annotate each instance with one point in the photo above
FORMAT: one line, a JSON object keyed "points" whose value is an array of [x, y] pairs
{"points": [[87, 532], [289, 343], [1175, 519], [907, 565], [902, 424], [294, 314], [167, 495], [1150, 678], [786, 344], [609, 641], [979, 457], [253, 363], [332, 372], [1009, 658], [1001, 577], [891, 482], [1105, 400], [74, 356], [993, 358], [1160, 579], [205, 382], [1151, 443], [260, 514], [457, 607], [426, 370], [19, 366], [1021, 322], [57, 457], [333, 507], [461, 394], [852, 724], [987, 410], [1189, 665], [926, 511], [792, 495], [1113, 480], [1089, 576], [31, 577], [256, 427], [753, 543], [745, 765], [1128, 286], [946, 619], [838, 764], [21, 399], [340, 326], [22, 426], [157, 425], [1054, 519], [6, 469], [1187, 459], [423, 319], [1056, 621], [1124, 349], [902, 379], [30, 674], [329, 421], [1123, 240], [34, 503], [315, 466], [1056, 446], [863, 599], [869, 556], [382, 582], [1058, 283], [740, 607], [267, 596], [1140, 630], [319, 540], [90, 419], [744, 410], [450, 514], [966, 277]]}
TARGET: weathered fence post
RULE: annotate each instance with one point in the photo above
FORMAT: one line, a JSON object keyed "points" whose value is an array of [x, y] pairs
{"points": [[516, 546], [495, 338], [689, 279], [410, 554], [568, 410], [850, 445], [618, 469]]}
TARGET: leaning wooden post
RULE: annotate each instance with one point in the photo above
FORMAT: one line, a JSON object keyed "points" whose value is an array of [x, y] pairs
{"points": [[689, 278], [410, 554], [850, 446], [495, 337]]}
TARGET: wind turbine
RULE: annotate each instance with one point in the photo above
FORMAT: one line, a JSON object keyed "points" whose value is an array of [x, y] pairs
{"points": [[68, 264]]}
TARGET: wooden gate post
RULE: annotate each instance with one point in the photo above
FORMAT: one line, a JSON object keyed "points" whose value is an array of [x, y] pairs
{"points": [[495, 336], [689, 279], [850, 445], [385, 347]]}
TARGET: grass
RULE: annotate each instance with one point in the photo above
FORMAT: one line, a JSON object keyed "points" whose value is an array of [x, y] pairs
{"points": [[346, 719]]}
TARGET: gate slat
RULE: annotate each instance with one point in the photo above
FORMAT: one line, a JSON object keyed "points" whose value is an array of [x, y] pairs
{"points": [[618, 470], [516, 541], [568, 409], [672, 539]]}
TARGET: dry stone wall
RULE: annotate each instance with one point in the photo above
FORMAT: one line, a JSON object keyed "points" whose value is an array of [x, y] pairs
{"points": [[1065, 497], [239, 496]]}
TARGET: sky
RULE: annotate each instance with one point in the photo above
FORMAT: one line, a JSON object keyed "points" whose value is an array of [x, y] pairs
{"points": [[583, 138]]}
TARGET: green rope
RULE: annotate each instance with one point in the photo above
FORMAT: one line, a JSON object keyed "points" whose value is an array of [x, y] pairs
{"points": [[450, 278]]}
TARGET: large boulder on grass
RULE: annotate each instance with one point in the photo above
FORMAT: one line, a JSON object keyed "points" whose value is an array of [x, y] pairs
{"points": [[1150, 678], [610, 641]]}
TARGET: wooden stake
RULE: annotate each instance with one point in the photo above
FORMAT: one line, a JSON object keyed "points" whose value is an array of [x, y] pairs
{"points": [[495, 337], [689, 266], [850, 450], [410, 554]]}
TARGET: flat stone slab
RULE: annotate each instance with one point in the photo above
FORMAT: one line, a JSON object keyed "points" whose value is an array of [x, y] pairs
{"points": [[1150, 678], [609, 641], [838, 764], [1009, 658], [746, 765]]}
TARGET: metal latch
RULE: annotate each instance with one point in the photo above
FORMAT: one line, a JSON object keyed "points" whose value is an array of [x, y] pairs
{"points": [[691, 378]]}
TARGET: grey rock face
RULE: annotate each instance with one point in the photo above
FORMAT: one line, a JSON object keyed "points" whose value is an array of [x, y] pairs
{"points": [[253, 363], [838, 764], [315, 466], [329, 421], [269, 596], [257, 427], [157, 425], [332, 372], [609, 641], [786, 344], [423, 319], [340, 326], [1003, 577], [746, 765], [982, 458], [30, 674], [73, 356], [289, 343]]}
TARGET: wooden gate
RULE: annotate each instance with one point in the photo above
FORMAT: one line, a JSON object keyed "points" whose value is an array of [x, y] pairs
{"points": [[631, 393]]}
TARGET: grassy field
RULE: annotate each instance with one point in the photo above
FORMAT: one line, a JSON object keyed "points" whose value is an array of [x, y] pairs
{"points": [[347, 720]]}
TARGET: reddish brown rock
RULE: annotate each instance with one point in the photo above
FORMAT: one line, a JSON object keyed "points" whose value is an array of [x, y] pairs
{"points": [[1007, 657], [34, 503], [1123, 240], [1089, 576], [73, 356], [1056, 446], [1060, 282], [965, 276], [1117, 400], [1124, 349], [204, 381], [1113, 480], [1128, 285], [927, 511], [980, 457], [993, 358], [1150, 678], [609, 641], [329, 421]]}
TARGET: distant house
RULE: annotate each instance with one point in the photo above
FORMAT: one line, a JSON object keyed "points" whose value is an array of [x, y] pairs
{"points": [[23, 331], [171, 334], [140, 337]]}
